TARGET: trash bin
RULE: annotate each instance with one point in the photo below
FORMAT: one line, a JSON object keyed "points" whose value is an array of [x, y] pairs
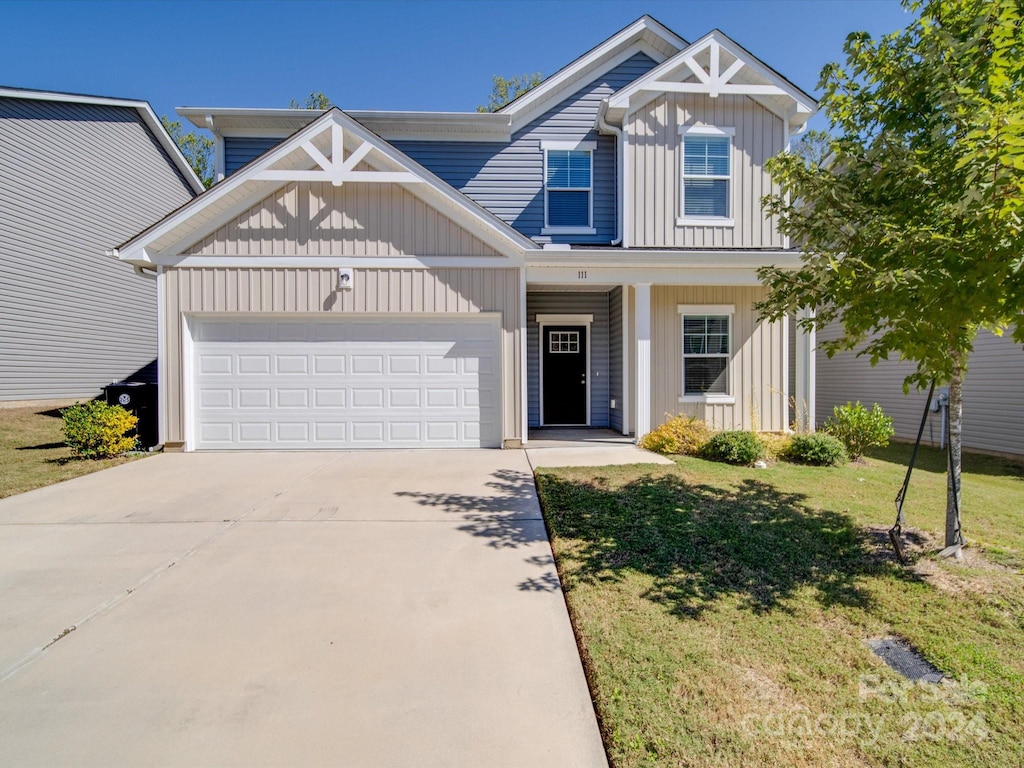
{"points": [[139, 398]]}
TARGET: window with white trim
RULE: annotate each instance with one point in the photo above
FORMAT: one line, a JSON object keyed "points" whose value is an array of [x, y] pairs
{"points": [[707, 172], [707, 348], [568, 186]]}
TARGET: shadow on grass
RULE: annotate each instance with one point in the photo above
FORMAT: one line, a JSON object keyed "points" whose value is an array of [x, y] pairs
{"points": [[701, 544], [41, 447]]}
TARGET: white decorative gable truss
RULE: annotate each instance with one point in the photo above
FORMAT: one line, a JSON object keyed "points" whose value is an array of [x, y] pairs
{"points": [[335, 167], [332, 149], [716, 66]]}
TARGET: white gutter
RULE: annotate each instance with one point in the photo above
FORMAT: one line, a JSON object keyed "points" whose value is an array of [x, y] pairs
{"points": [[114, 253], [605, 127]]}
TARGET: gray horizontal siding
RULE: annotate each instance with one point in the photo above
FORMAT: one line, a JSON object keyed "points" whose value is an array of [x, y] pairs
{"points": [[993, 393], [615, 359], [570, 303], [508, 179], [240, 150], [76, 180]]}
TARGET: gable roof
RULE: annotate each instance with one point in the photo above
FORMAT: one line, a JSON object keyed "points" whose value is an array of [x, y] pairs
{"points": [[142, 107], [716, 64], [314, 153], [645, 35]]}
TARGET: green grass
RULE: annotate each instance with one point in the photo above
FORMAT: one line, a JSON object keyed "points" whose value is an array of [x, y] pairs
{"points": [[723, 611], [33, 454]]}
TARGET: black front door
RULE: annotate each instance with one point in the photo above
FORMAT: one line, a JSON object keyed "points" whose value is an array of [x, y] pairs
{"points": [[564, 384]]}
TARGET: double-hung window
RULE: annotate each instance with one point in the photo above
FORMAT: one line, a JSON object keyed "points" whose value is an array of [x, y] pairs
{"points": [[707, 349], [568, 187], [707, 175]]}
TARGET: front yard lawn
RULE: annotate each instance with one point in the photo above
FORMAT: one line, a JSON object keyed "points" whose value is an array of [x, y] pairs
{"points": [[723, 612], [33, 454]]}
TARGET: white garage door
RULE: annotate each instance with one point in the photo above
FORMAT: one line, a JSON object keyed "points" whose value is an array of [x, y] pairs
{"points": [[410, 382]]}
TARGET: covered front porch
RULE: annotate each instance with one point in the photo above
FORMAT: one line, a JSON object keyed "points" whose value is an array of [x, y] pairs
{"points": [[618, 360]]}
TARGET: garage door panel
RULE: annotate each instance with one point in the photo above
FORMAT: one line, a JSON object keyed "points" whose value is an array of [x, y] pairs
{"points": [[329, 364], [402, 383], [253, 365], [293, 432], [254, 398], [293, 398], [212, 364], [291, 365]]}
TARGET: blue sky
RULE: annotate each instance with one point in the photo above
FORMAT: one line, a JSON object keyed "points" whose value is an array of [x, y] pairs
{"points": [[380, 55]]}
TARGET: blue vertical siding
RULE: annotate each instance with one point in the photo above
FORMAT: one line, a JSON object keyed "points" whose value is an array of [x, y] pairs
{"points": [[239, 150], [507, 179]]}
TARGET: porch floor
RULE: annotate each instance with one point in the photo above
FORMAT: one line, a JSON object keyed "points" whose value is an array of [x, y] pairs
{"points": [[582, 447], [575, 437]]}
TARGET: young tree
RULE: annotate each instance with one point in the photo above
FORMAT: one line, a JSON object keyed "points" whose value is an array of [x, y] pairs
{"points": [[911, 222], [509, 89], [315, 100], [196, 148]]}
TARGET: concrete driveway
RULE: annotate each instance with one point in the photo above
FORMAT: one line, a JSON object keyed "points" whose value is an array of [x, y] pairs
{"points": [[343, 609]]}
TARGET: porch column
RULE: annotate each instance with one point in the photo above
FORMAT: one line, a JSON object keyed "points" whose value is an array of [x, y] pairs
{"points": [[805, 374], [524, 403], [642, 326]]}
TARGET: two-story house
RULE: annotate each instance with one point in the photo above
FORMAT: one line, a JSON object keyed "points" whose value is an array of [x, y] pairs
{"points": [[585, 256]]}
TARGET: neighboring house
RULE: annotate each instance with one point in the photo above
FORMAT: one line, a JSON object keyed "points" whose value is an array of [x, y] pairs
{"points": [[77, 174], [993, 393], [586, 256]]}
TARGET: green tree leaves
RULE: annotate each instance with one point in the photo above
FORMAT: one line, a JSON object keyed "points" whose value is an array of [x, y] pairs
{"points": [[910, 211], [315, 100], [509, 89], [196, 148]]}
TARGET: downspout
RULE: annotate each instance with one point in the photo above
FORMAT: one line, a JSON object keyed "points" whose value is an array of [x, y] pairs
{"points": [[605, 127]]}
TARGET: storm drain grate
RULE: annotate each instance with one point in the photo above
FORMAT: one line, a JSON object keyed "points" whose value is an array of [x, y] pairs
{"points": [[905, 659]]}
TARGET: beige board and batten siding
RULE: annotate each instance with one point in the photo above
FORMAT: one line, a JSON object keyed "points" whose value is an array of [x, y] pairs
{"points": [[319, 219], [756, 369], [993, 416], [655, 171], [314, 292]]}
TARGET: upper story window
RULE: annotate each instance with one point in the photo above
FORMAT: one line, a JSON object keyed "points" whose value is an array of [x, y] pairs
{"points": [[707, 350], [707, 176], [568, 187]]}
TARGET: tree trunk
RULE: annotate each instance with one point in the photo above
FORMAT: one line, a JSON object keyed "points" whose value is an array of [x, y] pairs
{"points": [[954, 537]]}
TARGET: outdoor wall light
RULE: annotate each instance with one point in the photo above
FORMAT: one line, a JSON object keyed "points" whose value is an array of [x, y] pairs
{"points": [[345, 279]]}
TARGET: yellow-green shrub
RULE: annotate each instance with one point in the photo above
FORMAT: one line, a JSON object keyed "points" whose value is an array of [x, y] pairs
{"points": [[679, 435], [776, 444], [96, 430]]}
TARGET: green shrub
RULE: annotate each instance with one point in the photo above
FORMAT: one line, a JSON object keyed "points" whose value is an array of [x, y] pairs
{"points": [[859, 428], [737, 447], [679, 435], [96, 430], [818, 448]]}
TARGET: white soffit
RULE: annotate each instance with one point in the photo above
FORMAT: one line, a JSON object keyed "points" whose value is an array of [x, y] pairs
{"points": [[330, 149], [716, 65], [390, 125]]}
